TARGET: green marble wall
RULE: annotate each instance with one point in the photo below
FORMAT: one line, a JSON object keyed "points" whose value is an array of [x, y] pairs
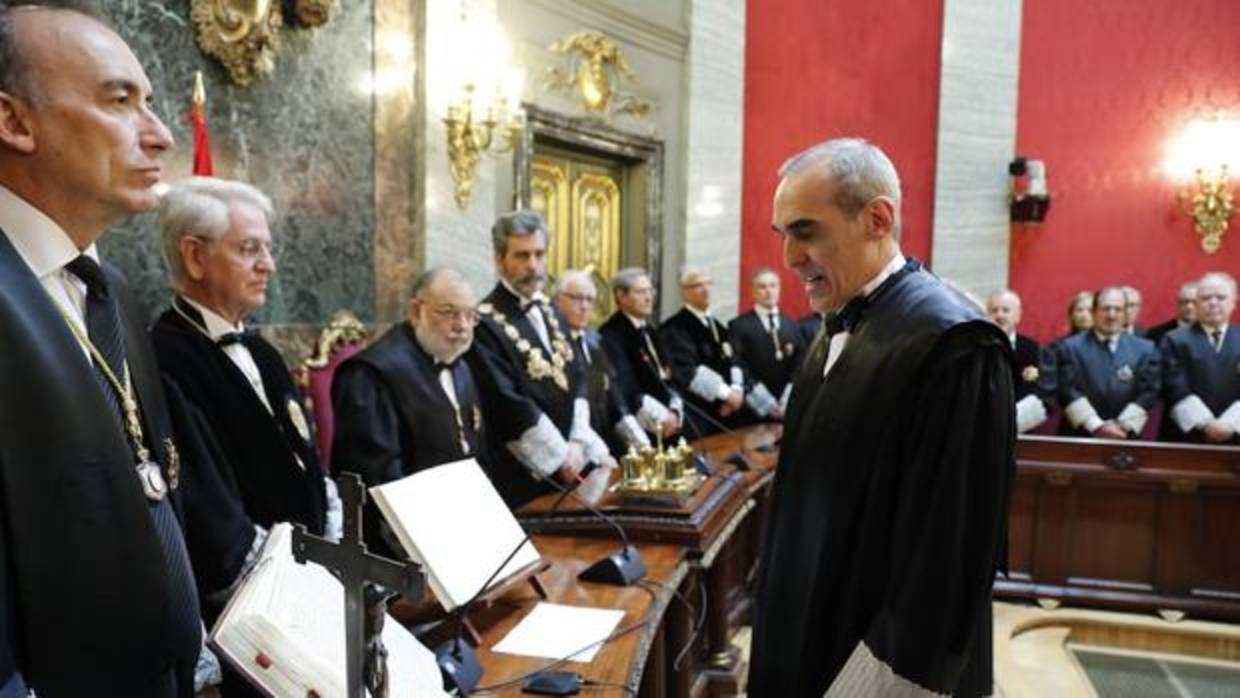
{"points": [[304, 135]]}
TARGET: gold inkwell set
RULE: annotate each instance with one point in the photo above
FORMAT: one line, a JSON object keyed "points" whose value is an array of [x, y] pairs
{"points": [[659, 473]]}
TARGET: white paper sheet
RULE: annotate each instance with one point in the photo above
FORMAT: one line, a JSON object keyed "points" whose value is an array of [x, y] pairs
{"points": [[553, 631]]}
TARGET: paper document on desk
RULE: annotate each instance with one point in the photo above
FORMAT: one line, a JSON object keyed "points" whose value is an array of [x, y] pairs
{"points": [[553, 631]]}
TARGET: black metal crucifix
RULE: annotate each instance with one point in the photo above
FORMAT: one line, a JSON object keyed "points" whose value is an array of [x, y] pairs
{"points": [[359, 568]]}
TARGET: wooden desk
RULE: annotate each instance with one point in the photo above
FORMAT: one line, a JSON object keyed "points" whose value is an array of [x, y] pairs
{"points": [[1135, 526], [719, 528], [636, 660]]}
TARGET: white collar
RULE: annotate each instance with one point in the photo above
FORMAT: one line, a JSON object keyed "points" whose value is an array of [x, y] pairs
{"points": [[636, 322], [215, 325], [893, 266], [1012, 339], [1221, 328], [42, 244], [702, 315], [520, 298], [763, 312], [1108, 341]]}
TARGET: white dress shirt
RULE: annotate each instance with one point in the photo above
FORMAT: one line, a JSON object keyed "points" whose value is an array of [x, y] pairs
{"points": [[839, 340]]}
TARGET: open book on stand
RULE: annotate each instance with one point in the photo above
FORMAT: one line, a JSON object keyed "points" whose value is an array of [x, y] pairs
{"points": [[284, 629], [452, 521]]}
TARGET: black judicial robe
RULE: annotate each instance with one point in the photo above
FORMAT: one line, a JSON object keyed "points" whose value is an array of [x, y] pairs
{"points": [[394, 419], [1157, 332], [691, 344], [84, 589], [1191, 366], [606, 405], [755, 349], [512, 401], [1026, 366], [890, 502], [1085, 367], [261, 448], [637, 372]]}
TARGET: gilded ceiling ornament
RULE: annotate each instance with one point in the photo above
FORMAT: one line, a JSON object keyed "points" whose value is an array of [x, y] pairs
{"points": [[592, 68], [244, 35]]}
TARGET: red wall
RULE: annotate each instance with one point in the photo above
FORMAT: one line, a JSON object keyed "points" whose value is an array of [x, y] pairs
{"points": [[816, 70], [1103, 87]]}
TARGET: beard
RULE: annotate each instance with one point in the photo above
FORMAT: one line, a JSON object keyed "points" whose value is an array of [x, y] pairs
{"points": [[439, 348], [530, 284]]}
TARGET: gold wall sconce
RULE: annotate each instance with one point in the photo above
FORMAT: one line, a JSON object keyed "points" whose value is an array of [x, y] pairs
{"points": [[244, 35], [475, 129], [1202, 156]]}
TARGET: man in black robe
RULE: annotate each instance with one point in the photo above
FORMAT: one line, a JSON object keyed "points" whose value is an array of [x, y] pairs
{"points": [[533, 393], [1185, 314], [407, 403], [1106, 379], [1004, 309], [97, 597], [890, 497], [576, 296], [769, 346], [701, 359], [1201, 369], [637, 355]]}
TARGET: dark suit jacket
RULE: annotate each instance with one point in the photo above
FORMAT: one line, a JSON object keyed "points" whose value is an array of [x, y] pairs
{"points": [[637, 372], [82, 574], [1026, 366], [1086, 368], [607, 406], [1157, 332], [755, 350], [691, 344], [1191, 366]]}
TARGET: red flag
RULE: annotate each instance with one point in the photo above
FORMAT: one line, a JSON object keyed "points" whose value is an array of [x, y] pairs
{"points": [[202, 138]]}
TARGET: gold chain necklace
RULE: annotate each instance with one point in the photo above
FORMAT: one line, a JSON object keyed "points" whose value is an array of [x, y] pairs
{"points": [[148, 472], [536, 365]]}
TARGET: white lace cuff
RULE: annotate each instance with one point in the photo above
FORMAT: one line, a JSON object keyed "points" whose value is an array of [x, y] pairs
{"points": [[1133, 418], [738, 378], [540, 448], [631, 433], [783, 399], [866, 675], [652, 413], [333, 518], [760, 400], [1190, 413], [1082, 415], [1030, 413], [592, 444], [207, 671], [709, 385]]}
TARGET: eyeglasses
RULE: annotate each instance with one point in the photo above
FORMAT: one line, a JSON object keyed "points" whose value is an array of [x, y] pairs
{"points": [[648, 291], [580, 298], [450, 313], [249, 250]]}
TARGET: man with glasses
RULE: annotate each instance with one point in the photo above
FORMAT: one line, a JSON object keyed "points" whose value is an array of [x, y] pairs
{"points": [[217, 248], [576, 297], [533, 391], [407, 402]]}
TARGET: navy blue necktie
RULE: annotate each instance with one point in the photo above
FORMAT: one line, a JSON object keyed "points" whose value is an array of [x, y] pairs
{"points": [[103, 326]]}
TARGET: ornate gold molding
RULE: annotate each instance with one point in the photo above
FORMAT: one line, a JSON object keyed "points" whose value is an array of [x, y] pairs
{"points": [[592, 69], [244, 35]]}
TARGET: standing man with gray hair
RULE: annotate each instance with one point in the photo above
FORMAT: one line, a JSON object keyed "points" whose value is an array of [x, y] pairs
{"points": [[216, 243], [533, 393], [769, 346], [97, 594], [889, 511]]}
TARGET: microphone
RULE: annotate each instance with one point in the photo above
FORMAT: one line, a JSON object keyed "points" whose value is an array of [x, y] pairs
{"points": [[738, 457], [621, 568], [457, 660]]}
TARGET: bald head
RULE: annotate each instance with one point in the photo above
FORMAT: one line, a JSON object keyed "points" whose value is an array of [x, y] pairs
{"points": [[576, 295], [1004, 309]]}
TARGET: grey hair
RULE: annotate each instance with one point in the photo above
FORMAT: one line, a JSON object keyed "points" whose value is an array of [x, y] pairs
{"points": [[689, 275], [760, 271], [1005, 292], [424, 281], [1129, 292], [625, 278], [16, 73], [200, 206], [517, 224], [1219, 276], [570, 277], [1189, 287], [860, 171]]}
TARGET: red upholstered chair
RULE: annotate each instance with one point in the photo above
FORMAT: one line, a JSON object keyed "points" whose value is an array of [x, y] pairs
{"points": [[343, 337]]}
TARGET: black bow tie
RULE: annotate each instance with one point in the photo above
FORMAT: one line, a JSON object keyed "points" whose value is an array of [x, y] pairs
{"points": [[531, 303], [846, 318], [230, 338], [444, 366]]}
